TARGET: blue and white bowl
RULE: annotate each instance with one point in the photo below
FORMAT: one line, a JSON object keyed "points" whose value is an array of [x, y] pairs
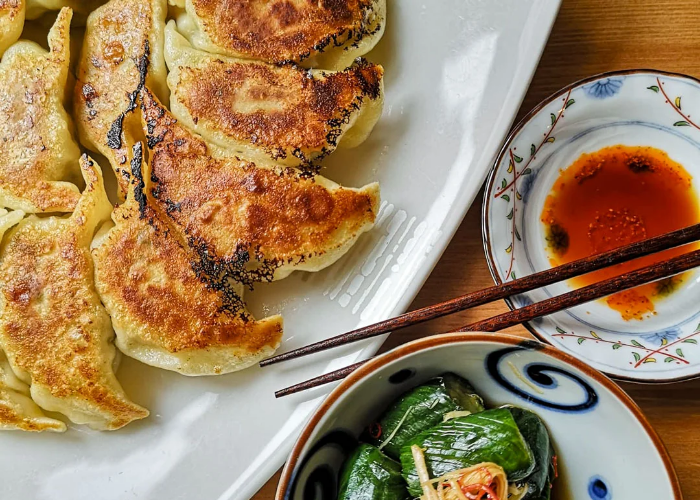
{"points": [[635, 108], [606, 448]]}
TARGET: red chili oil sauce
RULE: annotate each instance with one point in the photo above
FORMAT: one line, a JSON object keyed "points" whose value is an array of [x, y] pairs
{"points": [[613, 197]]}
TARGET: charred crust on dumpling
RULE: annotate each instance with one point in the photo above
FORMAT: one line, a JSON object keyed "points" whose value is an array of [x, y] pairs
{"points": [[211, 267], [283, 32], [369, 77], [216, 273], [363, 34], [89, 93], [343, 37], [139, 184], [171, 206], [322, 107], [213, 272], [114, 135], [152, 140], [86, 160], [151, 123], [276, 201]]}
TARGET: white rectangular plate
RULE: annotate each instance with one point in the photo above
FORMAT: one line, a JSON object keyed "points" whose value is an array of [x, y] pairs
{"points": [[456, 72]]}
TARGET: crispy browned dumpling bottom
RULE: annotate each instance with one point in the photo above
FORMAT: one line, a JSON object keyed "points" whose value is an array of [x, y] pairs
{"points": [[253, 223], [168, 310], [325, 34], [39, 156], [263, 112]]}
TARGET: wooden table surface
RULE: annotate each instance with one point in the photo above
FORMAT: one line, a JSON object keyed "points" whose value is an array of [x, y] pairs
{"points": [[589, 37]]}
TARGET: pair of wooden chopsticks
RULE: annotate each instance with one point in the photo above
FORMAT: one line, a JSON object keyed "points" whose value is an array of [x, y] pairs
{"points": [[595, 291]]}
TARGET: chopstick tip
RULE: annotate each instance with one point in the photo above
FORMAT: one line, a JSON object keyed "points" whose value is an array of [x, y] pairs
{"points": [[276, 359]]}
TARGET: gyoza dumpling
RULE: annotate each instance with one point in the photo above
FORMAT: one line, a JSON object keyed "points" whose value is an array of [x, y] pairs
{"points": [[55, 332], [123, 49], [11, 22], [36, 8], [17, 410], [167, 309], [265, 112], [253, 223], [326, 34], [39, 155]]}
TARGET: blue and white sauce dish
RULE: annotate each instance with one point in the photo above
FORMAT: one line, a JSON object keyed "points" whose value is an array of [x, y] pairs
{"points": [[606, 449], [630, 108]]}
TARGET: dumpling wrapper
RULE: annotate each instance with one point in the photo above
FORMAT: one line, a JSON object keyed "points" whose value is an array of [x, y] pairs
{"points": [[55, 332], [263, 112], [39, 155], [17, 410], [251, 223], [122, 51], [11, 22], [166, 309], [324, 34]]}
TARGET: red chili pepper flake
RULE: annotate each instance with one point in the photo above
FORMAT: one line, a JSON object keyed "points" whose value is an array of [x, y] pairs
{"points": [[478, 490], [375, 430], [556, 467]]}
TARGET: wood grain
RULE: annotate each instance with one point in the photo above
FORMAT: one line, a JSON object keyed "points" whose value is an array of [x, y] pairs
{"points": [[520, 316], [589, 37], [524, 284]]}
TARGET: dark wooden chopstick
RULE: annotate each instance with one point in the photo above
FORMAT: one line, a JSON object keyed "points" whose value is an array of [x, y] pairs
{"points": [[326, 378], [520, 285], [567, 300]]}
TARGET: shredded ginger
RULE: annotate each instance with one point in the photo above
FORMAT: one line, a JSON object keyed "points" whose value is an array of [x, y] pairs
{"points": [[484, 481]]}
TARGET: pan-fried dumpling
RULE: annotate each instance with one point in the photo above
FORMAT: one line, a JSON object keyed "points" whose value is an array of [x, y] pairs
{"points": [[35, 8], [263, 112], [123, 49], [11, 22], [39, 155], [17, 410], [168, 310], [252, 223], [55, 332], [327, 34]]}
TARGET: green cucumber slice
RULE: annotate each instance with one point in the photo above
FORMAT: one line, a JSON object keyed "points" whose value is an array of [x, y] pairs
{"points": [[368, 474], [488, 436], [422, 408], [537, 437], [462, 391]]}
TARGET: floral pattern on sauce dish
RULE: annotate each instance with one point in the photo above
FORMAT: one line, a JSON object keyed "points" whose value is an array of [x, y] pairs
{"points": [[509, 191], [633, 109], [685, 120], [669, 349], [605, 87]]}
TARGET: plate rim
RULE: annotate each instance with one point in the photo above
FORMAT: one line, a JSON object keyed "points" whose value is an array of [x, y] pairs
{"points": [[427, 343], [491, 178], [422, 276], [549, 10]]}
